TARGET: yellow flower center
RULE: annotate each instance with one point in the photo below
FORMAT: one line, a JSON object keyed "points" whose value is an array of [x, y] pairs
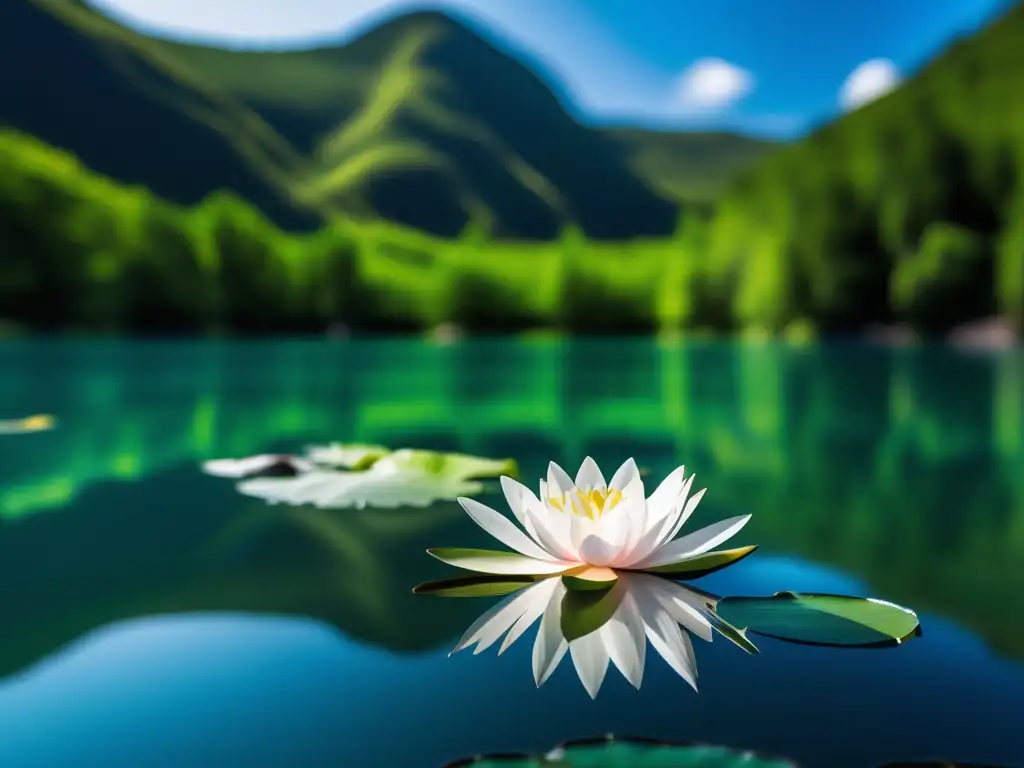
{"points": [[592, 503]]}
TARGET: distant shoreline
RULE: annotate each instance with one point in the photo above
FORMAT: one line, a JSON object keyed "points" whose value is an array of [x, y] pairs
{"points": [[988, 334]]}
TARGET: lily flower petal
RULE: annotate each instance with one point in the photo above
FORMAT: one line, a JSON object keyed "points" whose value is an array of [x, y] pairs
{"points": [[684, 515], [684, 606], [589, 476], [600, 542], [625, 475], [662, 502], [550, 531], [559, 483], [550, 646], [498, 563], [672, 644], [538, 603], [590, 657], [655, 531], [623, 636], [694, 543], [503, 529], [500, 619]]}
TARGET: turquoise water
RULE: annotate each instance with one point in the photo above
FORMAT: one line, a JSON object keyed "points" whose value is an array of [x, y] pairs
{"points": [[152, 616]]}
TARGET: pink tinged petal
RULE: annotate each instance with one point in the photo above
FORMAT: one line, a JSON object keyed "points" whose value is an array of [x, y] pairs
{"points": [[498, 563], [590, 657], [503, 529], [662, 501], [559, 483], [623, 636], [538, 603], [551, 531], [625, 475], [589, 476], [550, 646], [695, 543]]}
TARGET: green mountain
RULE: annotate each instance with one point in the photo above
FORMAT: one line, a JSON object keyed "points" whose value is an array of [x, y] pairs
{"points": [[420, 121], [910, 208]]}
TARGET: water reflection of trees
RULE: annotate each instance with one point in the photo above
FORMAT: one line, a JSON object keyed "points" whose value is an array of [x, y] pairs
{"points": [[900, 466], [180, 542]]}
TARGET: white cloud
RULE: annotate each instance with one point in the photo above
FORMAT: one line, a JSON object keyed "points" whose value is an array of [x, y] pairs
{"points": [[867, 82], [712, 85]]}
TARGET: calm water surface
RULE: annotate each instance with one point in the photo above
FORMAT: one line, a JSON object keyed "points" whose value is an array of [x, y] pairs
{"points": [[151, 616]]}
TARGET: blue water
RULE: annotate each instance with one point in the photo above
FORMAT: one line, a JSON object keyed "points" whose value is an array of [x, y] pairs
{"points": [[154, 617]]}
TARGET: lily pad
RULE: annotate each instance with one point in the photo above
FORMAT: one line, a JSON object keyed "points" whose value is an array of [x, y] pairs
{"points": [[703, 565], [458, 466], [628, 753], [354, 456], [482, 585], [404, 478], [819, 619]]}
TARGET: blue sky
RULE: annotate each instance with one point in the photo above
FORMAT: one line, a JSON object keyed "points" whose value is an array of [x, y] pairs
{"points": [[769, 67]]}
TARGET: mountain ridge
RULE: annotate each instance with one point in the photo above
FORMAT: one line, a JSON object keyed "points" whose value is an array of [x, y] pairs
{"points": [[420, 121]]}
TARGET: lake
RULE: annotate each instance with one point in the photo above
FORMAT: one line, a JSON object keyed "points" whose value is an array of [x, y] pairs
{"points": [[153, 616]]}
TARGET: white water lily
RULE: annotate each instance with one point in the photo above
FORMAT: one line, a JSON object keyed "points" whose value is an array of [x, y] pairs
{"points": [[378, 478], [593, 530], [642, 607]]}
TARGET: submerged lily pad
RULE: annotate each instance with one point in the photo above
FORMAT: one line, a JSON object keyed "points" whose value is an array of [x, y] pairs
{"points": [[628, 753], [818, 619]]}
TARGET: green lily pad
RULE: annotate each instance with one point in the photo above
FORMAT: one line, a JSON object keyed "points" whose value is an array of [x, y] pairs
{"points": [[482, 585], [628, 753], [584, 611], [703, 565], [817, 619], [354, 456], [405, 477], [454, 466]]}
